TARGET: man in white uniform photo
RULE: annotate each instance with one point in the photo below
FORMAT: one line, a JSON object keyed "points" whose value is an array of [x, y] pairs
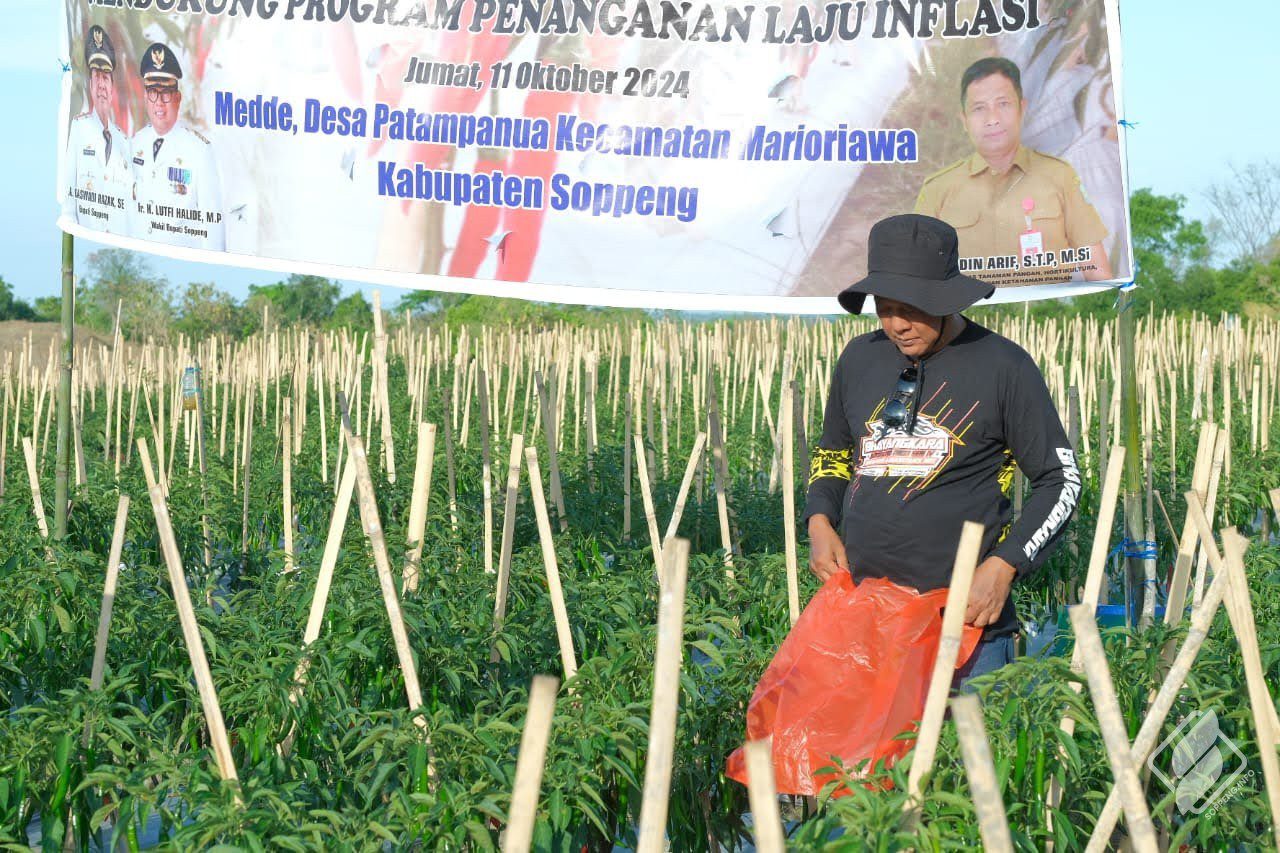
{"points": [[176, 187], [99, 180]]}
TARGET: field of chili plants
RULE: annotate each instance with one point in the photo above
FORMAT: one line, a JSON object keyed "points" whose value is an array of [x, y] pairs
{"points": [[639, 432]]}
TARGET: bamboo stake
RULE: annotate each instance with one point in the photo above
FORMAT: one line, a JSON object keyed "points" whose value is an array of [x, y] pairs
{"points": [[683, 494], [1177, 595], [1179, 670], [1260, 701], [518, 837], [786, 416], [28, 450], [666, 699], [1114, 734], [1221, 450], [190, 628], [547, 396], [324, 427], [1093, 592], [626, 469], [108, 598], [206, 536], [646, 496], [368, 504], [508, 532], [320, 598], [287, 485], [975, 750], [944, 667], [246, 461], [560, 614], [766, 823], [486, 471], [720, 469], [450, 471], [4, 431], [380, 376], [1090, 594], [418, 504]]}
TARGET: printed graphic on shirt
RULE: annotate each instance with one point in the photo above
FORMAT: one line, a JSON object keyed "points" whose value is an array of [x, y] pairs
{"points": [[1005, 476], [829, 463], [896, 453], [914, 458], [1062, 509]]}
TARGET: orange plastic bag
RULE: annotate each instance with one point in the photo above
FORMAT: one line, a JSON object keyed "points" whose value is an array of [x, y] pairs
{"points": [[849, 678]]}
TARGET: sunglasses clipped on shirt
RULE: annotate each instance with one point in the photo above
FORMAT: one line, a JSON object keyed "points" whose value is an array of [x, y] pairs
{"points": [[900, 411]]}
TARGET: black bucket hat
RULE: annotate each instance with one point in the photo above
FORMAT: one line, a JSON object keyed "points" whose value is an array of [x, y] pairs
{"points": [[915, 259]]}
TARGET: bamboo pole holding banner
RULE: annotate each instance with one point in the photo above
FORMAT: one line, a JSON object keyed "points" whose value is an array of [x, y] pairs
{"points": [[1134, 527]]}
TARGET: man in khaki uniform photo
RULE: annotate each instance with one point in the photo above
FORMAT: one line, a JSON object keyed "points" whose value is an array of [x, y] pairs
{"points": [[1006, 199]]}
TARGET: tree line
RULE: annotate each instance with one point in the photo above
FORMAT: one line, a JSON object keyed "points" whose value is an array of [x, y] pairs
{"points": [[1180, 269]]}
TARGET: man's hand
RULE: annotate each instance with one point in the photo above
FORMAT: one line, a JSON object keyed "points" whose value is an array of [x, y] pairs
{"points": [[991, 581], [826, 549]]}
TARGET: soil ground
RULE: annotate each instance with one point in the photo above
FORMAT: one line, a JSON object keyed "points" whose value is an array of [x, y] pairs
{"points": [[13, 335]]}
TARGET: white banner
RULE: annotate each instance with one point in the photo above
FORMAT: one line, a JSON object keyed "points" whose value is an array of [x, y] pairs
{"points": [[624, 152]]}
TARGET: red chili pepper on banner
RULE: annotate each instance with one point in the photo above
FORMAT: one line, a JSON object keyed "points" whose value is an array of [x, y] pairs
{"points": [[526, 225], [479, 223]]}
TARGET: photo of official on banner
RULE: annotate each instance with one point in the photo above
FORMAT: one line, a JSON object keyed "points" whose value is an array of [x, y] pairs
{"points": [[627, 152]]}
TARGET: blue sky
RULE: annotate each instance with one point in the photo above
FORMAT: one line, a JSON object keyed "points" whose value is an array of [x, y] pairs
{"points": [[1196, 83]]}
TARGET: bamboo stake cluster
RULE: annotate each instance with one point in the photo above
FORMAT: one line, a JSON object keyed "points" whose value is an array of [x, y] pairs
{"points": [[531, 392]]}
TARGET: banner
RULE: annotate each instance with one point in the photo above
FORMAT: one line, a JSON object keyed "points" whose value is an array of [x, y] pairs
{"points": [[699, 155]]}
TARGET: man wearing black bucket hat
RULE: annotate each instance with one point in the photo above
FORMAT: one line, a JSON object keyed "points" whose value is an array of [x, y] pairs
{"points": [[926, 420]]}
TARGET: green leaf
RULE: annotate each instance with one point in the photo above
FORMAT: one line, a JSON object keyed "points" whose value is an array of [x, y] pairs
{"points": [[64, 618]]}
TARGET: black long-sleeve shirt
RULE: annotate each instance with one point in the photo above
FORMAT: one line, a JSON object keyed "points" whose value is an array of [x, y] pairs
{"points": [[899, 500]]}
